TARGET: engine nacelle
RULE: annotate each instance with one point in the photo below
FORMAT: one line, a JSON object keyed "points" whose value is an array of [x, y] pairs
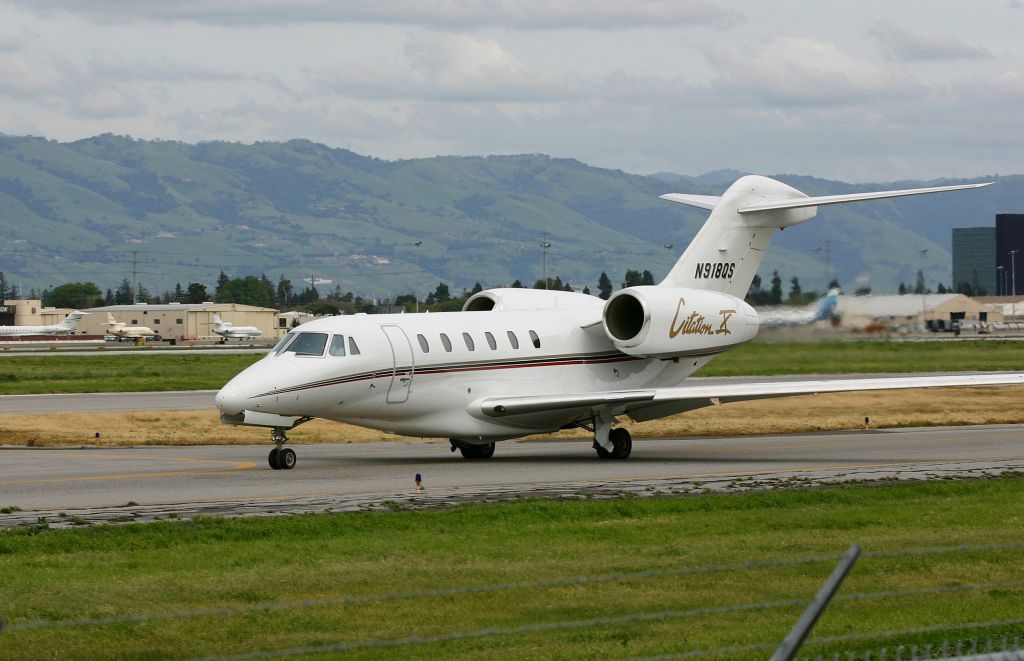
{"points": [[508, 298], [667, 321]]}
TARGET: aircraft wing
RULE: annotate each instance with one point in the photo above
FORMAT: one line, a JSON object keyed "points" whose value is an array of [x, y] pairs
{"points": [[682, 398]]}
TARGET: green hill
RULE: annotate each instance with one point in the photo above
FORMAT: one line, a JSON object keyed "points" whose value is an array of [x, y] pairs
{"points": [[87, 210]]}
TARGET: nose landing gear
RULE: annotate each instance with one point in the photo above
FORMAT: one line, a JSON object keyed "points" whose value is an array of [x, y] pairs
{"points": [[280, 457]]}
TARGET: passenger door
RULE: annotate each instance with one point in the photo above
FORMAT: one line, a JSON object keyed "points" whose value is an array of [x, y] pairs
{"points": [[403, 367]]}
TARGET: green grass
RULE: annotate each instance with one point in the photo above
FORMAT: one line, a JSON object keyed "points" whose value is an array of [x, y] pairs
{"points": [[135, 373], [163, 567], [45, 374], [769, 358]]}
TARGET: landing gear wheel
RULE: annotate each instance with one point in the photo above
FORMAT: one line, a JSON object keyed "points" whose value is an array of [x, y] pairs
{"points": [[274, 460], [622, 442], [286, 458], [485, 451]]}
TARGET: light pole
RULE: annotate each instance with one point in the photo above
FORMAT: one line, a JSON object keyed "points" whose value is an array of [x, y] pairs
{"points": [[415, 290], [1013, 281], [924, 256], [544, 245]]}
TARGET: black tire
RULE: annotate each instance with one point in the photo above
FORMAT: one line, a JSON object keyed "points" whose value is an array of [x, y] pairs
{"points": [[601, 452], [273, 460], [623, 443], [286, 458], [469, 451]]}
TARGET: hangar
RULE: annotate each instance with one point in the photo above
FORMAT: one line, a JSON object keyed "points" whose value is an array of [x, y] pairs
{"points": [[181, 321], [935, 312]]}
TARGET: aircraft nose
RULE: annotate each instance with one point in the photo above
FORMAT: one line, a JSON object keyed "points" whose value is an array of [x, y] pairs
{"points": [[230, 399]]}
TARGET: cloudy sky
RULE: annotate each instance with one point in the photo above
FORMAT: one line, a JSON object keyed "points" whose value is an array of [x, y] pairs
{"points": [[861, 90]]}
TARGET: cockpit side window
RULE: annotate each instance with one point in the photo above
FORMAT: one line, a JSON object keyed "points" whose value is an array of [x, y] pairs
{"points": [[308, 344], [337, 345], [282, 343], [353, 348]]}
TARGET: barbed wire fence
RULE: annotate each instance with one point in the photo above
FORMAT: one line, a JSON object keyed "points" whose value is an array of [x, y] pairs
{"points": [[948, 649]]}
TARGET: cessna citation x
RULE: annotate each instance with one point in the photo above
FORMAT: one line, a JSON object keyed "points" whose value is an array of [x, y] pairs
{"points": [[516, 362]]}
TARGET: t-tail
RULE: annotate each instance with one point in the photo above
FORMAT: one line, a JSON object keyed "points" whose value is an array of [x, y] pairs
{"points": [[727, 251], [70, 322]]}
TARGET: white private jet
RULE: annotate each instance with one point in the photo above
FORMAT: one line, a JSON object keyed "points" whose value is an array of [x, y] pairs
{"points": [[821, 310], [65, 327], [227, 330], [124, 331], [516, 362]]}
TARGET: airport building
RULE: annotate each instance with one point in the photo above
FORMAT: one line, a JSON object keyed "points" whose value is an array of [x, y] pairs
{"points": [[913, 311], [182, 321], [985, 258]]}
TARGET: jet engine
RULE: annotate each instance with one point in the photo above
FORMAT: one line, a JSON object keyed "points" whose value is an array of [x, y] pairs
{"points": [[668, 321]]}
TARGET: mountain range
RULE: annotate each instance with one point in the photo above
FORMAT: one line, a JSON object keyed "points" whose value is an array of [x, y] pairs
{"points": [[103, 208]]}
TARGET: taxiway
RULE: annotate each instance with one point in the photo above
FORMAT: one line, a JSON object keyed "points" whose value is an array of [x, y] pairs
{"points": [[74, 486]]}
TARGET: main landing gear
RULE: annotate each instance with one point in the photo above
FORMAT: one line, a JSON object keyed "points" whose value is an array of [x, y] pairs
{"points": [[280, 457], [471, 451], [622, 445], [611, 443]]}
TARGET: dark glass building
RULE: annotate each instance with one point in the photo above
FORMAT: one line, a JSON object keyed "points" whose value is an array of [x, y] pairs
{"points": [[1009, 238], [974, 261]]}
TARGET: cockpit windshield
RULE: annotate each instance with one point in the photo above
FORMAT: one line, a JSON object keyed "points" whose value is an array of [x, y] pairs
{"points": [[307, 344]]}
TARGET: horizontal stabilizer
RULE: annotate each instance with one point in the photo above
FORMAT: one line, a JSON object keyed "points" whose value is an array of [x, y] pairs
{"points": [[699, 201], [800, 202]]}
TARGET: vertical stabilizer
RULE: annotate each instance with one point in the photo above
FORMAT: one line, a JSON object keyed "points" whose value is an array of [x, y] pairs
{"points": [[727, 251]]}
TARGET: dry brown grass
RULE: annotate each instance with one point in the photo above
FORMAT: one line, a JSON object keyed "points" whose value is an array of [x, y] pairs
{"points": [[951, 406]]}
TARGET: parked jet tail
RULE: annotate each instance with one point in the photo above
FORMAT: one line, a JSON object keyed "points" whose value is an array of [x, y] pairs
{"points": [[728, 249], [70, 322]]}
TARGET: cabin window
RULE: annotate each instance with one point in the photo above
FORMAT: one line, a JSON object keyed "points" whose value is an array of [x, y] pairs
{"points": [[423, 343], [353, 348], [535, 340], [490, 341], [513, 340], [308, 344], [469, 341], [337, 347], [446, 342]]}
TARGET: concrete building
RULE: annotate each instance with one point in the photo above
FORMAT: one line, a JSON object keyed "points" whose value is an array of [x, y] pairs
{"points": [[913, 312], [182, 321]]}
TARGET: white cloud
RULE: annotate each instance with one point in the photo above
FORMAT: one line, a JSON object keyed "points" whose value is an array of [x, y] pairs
{"points": [[444, 14], [900, 44], [797, 71]]}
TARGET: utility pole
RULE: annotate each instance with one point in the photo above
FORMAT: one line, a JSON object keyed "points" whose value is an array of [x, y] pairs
{"points": [[544, 245]]}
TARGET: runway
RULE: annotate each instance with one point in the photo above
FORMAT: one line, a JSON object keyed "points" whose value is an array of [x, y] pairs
{"points": [[77, 486]]}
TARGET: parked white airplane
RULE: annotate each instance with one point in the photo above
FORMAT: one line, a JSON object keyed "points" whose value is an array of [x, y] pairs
{"points": [[228, 330], [66, 327], [821, 310], [520, 361], [122, 330]]}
